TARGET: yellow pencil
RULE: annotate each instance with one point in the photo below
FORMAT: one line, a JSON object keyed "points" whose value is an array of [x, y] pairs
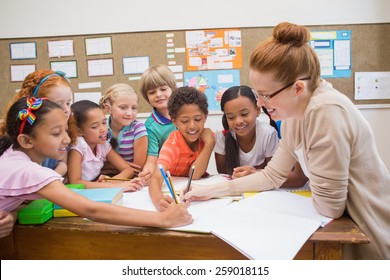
{"points": [[116, 179], [173, 189]]}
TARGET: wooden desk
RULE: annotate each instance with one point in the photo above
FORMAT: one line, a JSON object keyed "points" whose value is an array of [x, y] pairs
{"points": [[76, 238]]}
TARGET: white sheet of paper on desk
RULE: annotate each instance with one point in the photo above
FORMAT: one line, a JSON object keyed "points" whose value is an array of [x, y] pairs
{"points": [[261, 234], [201, 211], [204, 214], [138, 200], [286, 203]]}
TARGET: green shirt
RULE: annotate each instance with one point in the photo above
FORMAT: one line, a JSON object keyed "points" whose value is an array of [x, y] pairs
{"points": [[158, 128]]}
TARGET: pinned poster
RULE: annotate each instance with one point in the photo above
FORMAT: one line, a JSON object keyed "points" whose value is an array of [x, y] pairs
{"points": [[213, 49], [213, 84], [333, 49], [372, 85]]}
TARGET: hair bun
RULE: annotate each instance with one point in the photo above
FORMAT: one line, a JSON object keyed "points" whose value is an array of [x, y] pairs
{"points": [[291, 34]]}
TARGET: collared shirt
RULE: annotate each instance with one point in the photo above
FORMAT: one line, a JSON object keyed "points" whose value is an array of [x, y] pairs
{"points": [[158, 128], [92, 164], [177, 156]]}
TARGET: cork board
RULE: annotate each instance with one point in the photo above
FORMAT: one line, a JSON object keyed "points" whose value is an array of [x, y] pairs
{"points": [[369, 45]]}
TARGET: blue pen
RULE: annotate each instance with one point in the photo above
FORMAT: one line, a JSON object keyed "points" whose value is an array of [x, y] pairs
{"points": [[166, 180]]}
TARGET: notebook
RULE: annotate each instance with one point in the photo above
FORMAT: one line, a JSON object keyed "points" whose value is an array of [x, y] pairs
{"points": [[106, 195]]}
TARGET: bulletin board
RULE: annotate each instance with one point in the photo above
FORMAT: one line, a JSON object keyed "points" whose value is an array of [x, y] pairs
{"points": [[369, 50]]}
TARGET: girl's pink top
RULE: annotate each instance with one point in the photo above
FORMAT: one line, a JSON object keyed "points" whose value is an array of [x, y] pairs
{"points": [[21, 178]]}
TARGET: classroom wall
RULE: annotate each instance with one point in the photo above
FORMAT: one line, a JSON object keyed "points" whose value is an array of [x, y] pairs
{"points": [[42, 18]]}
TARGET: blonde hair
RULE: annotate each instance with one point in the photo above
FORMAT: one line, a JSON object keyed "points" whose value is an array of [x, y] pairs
{"points": [[156, 76], [288, 54], [114, 91]]}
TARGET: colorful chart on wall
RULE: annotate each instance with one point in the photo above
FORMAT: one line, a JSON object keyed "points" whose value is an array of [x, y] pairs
{"points": [[213, 84], [333, 49], [213, 49]]}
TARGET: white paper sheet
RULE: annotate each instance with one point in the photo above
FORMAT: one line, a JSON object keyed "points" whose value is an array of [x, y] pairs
{"points": [[23, 50], [135, 65], [19, 72], [286, 203], [92, 96], [261, 234], [201, 211], [60, 48], [100, 67], [96, 46], [68, 67]]}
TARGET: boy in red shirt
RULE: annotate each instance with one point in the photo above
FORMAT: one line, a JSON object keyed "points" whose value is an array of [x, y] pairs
{"points": [[191, 144]]}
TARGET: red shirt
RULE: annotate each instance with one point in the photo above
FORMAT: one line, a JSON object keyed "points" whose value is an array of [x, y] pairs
{"points": [[177, 156]]}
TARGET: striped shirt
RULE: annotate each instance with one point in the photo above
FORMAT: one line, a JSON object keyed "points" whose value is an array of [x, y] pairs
{"points": [[126, 138], [176, 156]]}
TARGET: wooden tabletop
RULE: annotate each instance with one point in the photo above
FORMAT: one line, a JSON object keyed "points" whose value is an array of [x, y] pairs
{"points": [[78, 238]]}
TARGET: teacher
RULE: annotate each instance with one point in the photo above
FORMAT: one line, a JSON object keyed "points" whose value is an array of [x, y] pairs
{"points": [[325, 132]]}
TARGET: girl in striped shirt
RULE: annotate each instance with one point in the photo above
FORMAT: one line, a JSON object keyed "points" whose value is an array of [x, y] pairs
{"points": [[128, 135]]}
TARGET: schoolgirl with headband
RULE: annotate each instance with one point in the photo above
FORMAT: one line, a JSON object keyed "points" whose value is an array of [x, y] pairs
{"points": [[36, 128], [54, 86]]}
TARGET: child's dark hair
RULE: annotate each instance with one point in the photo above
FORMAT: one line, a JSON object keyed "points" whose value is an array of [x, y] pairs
{"points": [[13, 122], [80, 110], [232, 153], [186, 96]]}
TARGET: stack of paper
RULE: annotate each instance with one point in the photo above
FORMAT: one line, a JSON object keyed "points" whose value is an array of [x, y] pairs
{"points": [[267, 225]]}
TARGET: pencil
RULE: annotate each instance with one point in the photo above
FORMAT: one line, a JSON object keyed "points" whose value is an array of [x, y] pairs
{"points": [[116, 179], [166, 180], [189, 180], [173, 189]]}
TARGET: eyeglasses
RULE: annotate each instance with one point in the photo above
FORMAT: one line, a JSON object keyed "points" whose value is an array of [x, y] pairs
{"points": [[267, 98]]}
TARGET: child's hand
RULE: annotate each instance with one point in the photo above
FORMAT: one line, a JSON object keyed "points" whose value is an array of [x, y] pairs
{"points": [[164, 203], [136, 167], [132, 186], [6, 223], [176, 215], [207, 136], [102, 178], [145, 176], [242, 171]]}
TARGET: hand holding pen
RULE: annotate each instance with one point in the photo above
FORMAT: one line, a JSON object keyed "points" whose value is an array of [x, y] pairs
{"points": [[189, 182], [166, 200]]}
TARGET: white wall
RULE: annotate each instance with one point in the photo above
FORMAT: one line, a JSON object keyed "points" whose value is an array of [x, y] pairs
{"points": [[378, 117], [40, 18]]}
